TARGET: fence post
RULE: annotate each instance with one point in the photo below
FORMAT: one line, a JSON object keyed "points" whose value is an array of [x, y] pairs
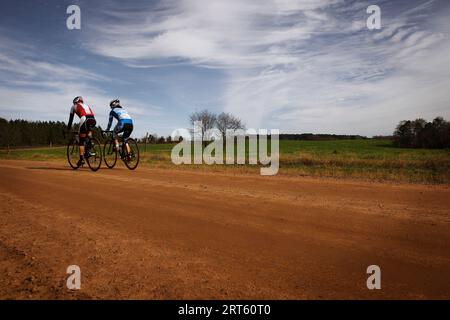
{"points": [[145, 142]]}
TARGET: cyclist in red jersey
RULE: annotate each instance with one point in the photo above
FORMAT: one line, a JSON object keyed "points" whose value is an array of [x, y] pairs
{"points": [[87, 123]]}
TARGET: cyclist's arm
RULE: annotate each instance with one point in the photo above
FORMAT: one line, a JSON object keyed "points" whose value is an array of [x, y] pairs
{"points": [[69, 125], [111, 117]]}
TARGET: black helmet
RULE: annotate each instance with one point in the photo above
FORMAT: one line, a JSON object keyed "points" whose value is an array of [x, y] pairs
{"points": [[115, 103], [77, 100]]}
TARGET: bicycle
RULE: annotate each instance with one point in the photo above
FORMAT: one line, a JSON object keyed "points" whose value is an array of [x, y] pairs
{"points": [[110, 153], [92, 152]]}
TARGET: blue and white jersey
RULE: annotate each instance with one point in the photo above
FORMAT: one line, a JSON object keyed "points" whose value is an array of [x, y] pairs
{"points": [[121, 115]]}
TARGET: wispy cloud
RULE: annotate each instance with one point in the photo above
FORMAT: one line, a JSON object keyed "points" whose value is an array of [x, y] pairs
{"points": [[213, 33], [31, 88], [298, 65]]}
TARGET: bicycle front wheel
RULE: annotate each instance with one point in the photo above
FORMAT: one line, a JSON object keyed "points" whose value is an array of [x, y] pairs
{"points": [[73, 154], [110, 154], [94, 155], [131, 158]]}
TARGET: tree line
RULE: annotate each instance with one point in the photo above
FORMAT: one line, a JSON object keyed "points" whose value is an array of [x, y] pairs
{"points": [[15, 133], [422, 134], [24, 133], [319, 137], [409, 133]]}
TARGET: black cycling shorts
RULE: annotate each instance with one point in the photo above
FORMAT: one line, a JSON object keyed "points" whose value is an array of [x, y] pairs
{"points": [[126, 128], [87, 125]]}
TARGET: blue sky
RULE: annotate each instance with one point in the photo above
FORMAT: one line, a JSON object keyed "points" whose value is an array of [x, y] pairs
{"points": [[297, 66]]}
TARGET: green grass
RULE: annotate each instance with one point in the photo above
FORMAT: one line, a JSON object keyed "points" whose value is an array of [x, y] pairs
{"points": [[367, 159], [360, 159], [56, 153]]}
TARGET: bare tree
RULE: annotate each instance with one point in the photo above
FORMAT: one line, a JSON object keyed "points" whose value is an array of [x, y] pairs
{"points": [[161, 140], [208, 120], [227, 121], [152, 138]]}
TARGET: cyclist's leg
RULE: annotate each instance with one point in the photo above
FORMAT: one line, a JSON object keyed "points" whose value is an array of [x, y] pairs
{"points": [[127, 130], [90, 124], [82, 136], [81, 140], [117, 129]]}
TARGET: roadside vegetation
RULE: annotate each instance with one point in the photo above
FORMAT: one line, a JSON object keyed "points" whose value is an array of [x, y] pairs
{"points": [[418, 151], [366, 159]]}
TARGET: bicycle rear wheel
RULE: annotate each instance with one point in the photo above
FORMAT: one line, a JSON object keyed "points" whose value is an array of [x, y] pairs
{"points": [[73, 153], [94, 155], [131, 159], [110, 154]]}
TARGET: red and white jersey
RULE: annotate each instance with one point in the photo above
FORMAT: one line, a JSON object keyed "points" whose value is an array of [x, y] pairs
{"points": [[81, 110]]}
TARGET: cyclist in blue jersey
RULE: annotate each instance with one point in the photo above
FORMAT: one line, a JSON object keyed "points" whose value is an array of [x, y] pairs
{"points": [[124, 123]]}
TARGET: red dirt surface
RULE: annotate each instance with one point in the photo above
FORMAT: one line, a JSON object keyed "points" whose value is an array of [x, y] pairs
{"points": [[172, 234]]}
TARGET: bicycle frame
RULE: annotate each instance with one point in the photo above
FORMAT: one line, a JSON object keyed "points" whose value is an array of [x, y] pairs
{"points": [[110, 132], [119, 138], [76, 135]]}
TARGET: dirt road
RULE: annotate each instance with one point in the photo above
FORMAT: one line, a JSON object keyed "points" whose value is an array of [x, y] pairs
{"points": [[158, 234]]}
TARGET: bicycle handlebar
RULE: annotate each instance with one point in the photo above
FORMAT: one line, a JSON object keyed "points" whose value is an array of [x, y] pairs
{"points": [[111, 131], [106, 131]]}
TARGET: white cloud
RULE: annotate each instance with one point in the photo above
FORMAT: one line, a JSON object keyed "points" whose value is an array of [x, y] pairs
{"points": [[33, 89], [297, 65], [210, 33], [293, 65], [54, 104]]}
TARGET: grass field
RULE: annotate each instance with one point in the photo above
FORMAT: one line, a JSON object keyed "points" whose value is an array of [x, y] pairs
{"points": [[369, 159]]}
